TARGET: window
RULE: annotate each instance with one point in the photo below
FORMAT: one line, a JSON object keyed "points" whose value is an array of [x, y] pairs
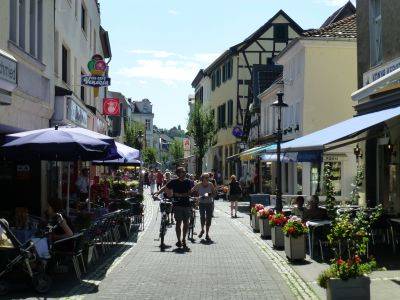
{"points": [[83, 18], [199, 96], [13, 20], [83, 89], [221, 116], [213, 81], [375, 32], [64, 64], [281, 33], [56, 51], [230, 112], [148, 124], [21, 23], [314, 180], [32, 27], [218, 75]]}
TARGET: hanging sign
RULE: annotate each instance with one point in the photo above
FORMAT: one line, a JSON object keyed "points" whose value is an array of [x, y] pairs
{"points": [[98, 78], [95, 81], [237, 131], [111, 107]]}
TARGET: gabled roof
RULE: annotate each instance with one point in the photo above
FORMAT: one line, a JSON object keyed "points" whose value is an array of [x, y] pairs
{"points": [[345, 28], [197, 79], [345, 11], [250, 39]]}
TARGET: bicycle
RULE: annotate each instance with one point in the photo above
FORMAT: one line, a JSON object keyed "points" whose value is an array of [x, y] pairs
{"points": [[165, 209], [192, 219]]}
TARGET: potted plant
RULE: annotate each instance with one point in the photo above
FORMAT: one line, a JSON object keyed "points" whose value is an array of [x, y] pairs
{"points": [[347, 278], [295, 242], [277, 221], [254, 218], [265, 228]]}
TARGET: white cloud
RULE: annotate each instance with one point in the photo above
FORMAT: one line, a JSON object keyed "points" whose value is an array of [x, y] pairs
{"points": [[159, 69], [143, 82], [154, 53], [335, 2], [173, 12], [206, 58]]}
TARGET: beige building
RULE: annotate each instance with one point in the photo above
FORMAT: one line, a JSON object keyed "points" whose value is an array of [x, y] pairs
{"points": [[319, 75], [229, 80]]}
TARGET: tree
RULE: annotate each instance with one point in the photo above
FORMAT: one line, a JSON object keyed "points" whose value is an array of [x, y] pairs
{"points": [[133, 131], [329, 190], [201, 129], [176, 150], [149, 156]]}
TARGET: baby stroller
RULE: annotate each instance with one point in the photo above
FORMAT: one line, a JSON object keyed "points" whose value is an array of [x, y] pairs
{"points": [[20, 262]]}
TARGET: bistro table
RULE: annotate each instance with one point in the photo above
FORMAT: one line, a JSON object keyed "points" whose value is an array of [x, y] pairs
{"points": [[311, 226]]}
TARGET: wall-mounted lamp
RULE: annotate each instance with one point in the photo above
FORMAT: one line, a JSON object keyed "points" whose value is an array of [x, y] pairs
{"points": [[357, 151]]}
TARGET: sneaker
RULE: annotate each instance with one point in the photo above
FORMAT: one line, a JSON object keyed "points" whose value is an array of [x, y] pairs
{"points": [[208, 238], [178, 244], [185, 247], [201, 234]]}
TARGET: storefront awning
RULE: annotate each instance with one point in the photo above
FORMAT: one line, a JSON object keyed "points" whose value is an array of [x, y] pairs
{"points": [[254, 152], [288, 157], [344, 130]]}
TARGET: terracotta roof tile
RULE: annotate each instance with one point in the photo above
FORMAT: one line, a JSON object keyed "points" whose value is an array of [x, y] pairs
{"points": [[345, 28]]}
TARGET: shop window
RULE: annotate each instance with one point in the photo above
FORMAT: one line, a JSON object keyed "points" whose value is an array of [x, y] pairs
{"points": [[65, 64]]}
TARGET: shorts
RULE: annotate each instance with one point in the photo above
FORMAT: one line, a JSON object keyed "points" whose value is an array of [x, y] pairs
{"points": [[206, 213], [234, 197], [182, 213]]}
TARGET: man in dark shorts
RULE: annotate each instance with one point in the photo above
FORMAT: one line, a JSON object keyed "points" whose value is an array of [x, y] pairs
{"points": [[180, 188]]}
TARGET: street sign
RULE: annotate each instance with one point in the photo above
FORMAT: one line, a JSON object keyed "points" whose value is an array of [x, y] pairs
{"points": [[111, 107]]}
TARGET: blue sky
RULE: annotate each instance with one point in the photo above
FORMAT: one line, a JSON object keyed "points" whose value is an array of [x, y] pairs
{"points": [[158, 46]]}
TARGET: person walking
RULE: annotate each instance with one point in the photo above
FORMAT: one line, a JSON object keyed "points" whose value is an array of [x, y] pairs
{"points": [[180, 188], [206, 191], [152, 181], [235, 193]]}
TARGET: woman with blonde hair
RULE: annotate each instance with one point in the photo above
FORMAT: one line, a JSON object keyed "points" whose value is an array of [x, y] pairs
{"points": [[235, 193], [206, 192]]}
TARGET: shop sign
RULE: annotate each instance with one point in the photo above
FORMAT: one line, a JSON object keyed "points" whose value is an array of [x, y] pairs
{"points": [[381, 71], [76, 114], [111, 107], [8, 69], [237, 131], [186, 144], [95, 81]]}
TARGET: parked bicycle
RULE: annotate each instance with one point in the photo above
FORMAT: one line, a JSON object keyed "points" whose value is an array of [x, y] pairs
{"points": [[165, 209]]}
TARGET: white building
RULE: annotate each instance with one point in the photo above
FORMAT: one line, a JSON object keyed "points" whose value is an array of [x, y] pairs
{"points": [[142, 112], [78, 36]]}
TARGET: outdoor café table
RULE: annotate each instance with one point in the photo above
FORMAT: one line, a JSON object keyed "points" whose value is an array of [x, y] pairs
{"points": [[311, 226]]}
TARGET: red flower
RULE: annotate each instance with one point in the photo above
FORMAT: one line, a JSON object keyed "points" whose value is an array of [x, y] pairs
{"points": [[340, 261], [357, 259]]}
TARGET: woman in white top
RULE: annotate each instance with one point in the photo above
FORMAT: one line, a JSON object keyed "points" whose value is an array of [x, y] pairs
{"points": [[206, 192]]}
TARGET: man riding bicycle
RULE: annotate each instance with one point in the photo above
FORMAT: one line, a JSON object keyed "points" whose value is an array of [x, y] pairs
{"points": [[180, 188]]}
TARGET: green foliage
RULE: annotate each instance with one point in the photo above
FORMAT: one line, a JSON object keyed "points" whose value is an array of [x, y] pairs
{"points": [[356, 185], [176, 150], [294, 227], [133, 130], [344, 270], [201, 128], [329, 191], [149, 156]]}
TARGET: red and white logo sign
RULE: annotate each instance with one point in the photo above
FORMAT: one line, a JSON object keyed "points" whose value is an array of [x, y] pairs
{"points": [[111, 107]]}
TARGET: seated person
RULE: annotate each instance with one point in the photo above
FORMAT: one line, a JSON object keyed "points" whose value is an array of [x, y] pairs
{"points": [[5, 242], [54, 216], [299, 209], [315, 212]]}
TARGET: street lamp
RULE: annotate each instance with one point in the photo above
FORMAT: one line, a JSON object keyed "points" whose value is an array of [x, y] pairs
{"points": [[279, 104]]}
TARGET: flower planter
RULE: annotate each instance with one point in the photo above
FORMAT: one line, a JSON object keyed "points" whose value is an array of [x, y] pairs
{"points": [[295, 248], [255, 224], [354, 288], [265, 228], [277, 237]]}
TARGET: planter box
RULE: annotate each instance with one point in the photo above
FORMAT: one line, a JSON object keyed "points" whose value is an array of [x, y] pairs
{"points": [[295, 248], [355, 288], [255, 224], [265, 228], [277, 237]]}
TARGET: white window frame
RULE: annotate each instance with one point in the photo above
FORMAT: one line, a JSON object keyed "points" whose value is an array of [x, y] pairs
{"points": [[375, 30]]}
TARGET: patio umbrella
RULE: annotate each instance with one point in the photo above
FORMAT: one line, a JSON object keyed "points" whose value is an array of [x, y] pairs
{"points": [[56, 145], [129, 156], [111, 152]]}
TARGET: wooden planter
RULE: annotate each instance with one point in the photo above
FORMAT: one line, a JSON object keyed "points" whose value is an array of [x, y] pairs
{"points": [[354, 288], [265, 228], [277, 237], [295, 248], [255, 224]]}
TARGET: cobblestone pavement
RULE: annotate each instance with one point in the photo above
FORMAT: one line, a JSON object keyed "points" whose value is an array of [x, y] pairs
{"points": [[235, 266]]}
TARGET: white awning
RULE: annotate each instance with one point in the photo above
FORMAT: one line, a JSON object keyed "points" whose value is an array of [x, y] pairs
{"points": [[288, 157], [380, 85], [340, 131]]}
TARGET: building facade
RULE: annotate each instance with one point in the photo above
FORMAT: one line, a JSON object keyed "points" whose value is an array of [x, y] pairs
{"points": [[319, 75], [142, 112], [378, 78], [232, 77]]}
